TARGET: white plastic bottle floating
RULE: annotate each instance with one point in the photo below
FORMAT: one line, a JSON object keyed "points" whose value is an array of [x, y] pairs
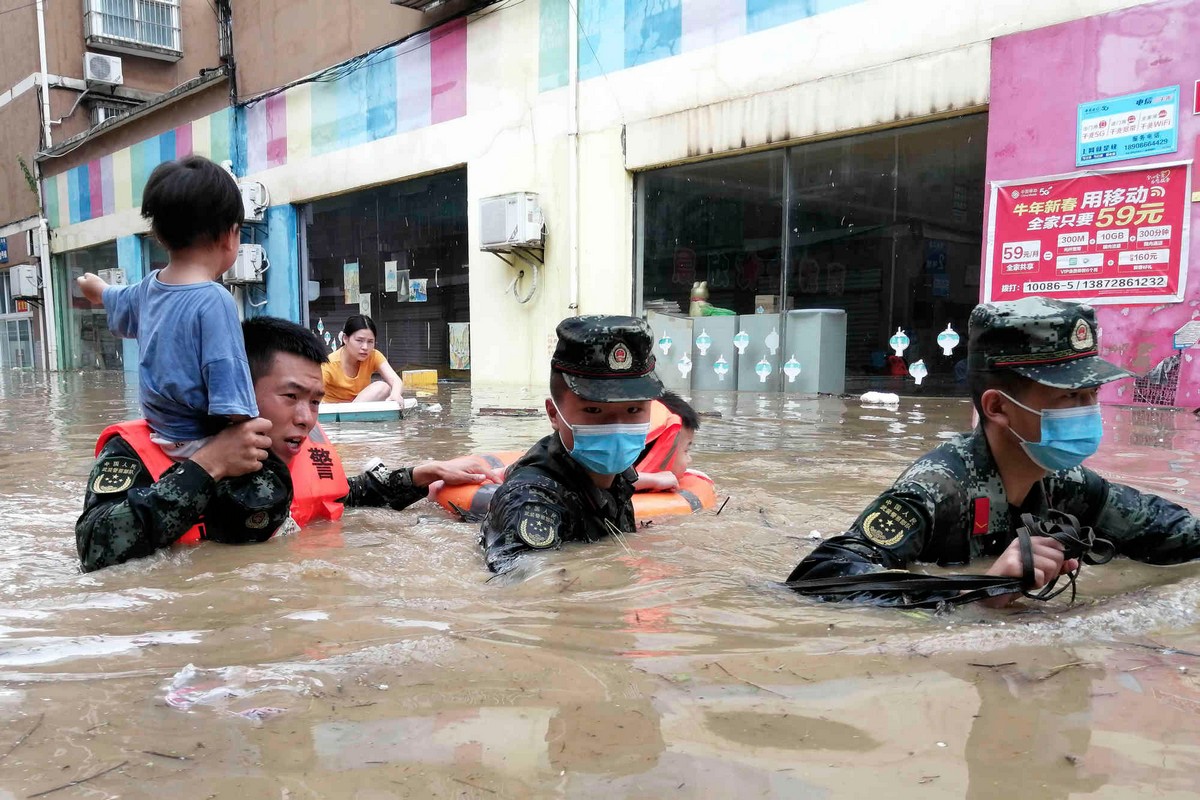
{"points": [[763, 370], [772, 341], [664, 343], [721, 367], [741, 341], [918, 371], [703, 342], [899, 341], [684, 365], [791, 368], [948, 340]]}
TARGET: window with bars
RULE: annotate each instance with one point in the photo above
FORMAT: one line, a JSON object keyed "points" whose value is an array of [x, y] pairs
{"points": [[134, 23]]}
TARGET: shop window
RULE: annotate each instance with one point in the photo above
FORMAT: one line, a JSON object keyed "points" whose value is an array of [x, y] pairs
{"points": [[886, 226], [399, 254], [718, 222], [85, 340]]}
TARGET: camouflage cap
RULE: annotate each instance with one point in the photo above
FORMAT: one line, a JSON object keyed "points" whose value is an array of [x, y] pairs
{"points": [[250, 508], [607, 359], [1053, 342]]}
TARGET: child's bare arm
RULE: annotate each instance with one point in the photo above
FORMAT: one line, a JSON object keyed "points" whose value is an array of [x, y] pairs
{"points": [[93, 287], [656, 482]]}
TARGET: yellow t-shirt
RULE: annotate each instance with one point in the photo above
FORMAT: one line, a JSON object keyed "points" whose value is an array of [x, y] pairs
{"points": [[339, 387]]}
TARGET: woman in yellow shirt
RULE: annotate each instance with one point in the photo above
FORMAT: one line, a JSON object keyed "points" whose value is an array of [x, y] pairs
{"points": [[349, 368]]}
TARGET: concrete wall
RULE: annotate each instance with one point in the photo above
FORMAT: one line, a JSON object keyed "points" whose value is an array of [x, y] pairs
{"points": [[19, 114], [278, 41], [65, 48], [1038, 80]]}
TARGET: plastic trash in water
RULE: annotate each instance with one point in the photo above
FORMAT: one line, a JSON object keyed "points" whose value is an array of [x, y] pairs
{"points": [[791, 368], [948, 340], [239, 691], [880, 399], [918, 370], [899, 342], [409, 402], [434, 408]]}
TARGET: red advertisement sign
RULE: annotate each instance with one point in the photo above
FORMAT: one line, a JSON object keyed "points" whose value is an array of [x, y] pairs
{"points": [[1116, 236]]}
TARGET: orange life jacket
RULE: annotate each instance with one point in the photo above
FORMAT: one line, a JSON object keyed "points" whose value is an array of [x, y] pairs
{"points": [[661, 441], [318, 480]]}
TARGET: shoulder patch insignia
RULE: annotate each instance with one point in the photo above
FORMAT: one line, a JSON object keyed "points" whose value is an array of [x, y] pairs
{"points": [[889, 522], [115, 475], [538, 527]]}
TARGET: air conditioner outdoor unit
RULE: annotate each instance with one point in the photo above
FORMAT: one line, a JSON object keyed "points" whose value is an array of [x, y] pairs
{"points": [[510, 221], [254, 200], [23, 282], [250, 265], [113, 277], [102, 69]]}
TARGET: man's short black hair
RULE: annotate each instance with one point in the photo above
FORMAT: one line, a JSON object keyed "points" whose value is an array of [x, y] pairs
{"points": [[1005, 380], [191, 201], [558, 386], [266, 336], [677, 405]]}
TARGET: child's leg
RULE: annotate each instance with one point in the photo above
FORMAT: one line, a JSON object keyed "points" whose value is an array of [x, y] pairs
{"points": [[180, 451]]}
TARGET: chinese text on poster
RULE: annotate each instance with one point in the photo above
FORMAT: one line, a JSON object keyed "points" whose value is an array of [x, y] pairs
{"points": [[1100, 237]]}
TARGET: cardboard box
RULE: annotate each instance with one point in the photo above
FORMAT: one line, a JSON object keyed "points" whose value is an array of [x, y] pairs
{"points": [[769, 303]]}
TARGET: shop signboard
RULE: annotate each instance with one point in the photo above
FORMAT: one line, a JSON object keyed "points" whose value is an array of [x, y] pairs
{"points": [[1130, 126], [3, 250], [1113, 236]]}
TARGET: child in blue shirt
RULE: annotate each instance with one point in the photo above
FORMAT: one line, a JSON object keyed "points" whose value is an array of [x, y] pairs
{"points": [[193, 377]]}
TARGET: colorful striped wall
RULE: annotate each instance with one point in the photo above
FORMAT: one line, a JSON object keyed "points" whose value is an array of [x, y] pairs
{"points": [[114, 182], [417, 83], [617, 34]]}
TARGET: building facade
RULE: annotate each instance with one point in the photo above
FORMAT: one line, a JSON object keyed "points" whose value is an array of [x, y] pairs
{"points": [[822, 167]]}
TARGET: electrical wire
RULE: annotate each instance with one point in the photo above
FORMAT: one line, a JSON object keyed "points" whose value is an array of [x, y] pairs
{"points": [[351, 65], [17, 8]]}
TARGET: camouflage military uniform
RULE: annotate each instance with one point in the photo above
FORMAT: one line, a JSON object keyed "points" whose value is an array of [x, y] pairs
{"points": [[950, 506], [127, 514], [380, 486], [546, 499]]}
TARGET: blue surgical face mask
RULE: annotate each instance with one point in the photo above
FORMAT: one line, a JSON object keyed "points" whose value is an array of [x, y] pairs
{"points": [[606, 449], [1069, 435]]}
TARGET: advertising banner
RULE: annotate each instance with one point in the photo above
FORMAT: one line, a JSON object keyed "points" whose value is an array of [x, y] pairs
{"points": [[1117, 236], [1131, 126]]}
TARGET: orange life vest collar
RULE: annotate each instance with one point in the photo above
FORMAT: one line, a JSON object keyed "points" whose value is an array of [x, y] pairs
{"points": [[662, 440]]}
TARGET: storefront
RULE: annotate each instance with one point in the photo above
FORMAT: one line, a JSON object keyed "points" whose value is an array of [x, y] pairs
{"points": [[398, 254], [84, 339], [19, 339], [885, 226]]}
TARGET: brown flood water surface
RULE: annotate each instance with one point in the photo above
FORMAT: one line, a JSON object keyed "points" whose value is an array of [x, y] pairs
{"points": [[374, 658]]}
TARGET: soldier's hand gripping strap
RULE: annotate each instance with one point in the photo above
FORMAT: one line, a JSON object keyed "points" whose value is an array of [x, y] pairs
{"points": [[1078, 541], [903, 589]]}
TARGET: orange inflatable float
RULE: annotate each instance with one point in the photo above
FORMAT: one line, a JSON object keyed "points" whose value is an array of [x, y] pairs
{"points": [[695, 492]]}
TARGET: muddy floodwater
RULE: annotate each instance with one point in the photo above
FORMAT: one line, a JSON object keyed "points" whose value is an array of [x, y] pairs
{"points": [[373, 658]]}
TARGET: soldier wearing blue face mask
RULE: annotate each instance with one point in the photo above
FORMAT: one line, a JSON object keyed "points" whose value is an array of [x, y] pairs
{"points": [[1034, 370], [577, 483]]}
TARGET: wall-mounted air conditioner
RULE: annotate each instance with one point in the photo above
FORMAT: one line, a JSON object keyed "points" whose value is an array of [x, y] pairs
{"points": [[511, 220], [99, 69]]}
